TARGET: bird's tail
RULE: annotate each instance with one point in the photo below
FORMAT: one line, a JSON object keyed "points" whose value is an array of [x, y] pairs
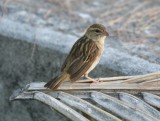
{"points": [[57, 81]]}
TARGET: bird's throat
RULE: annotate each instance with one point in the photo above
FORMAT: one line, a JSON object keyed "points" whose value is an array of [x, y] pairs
{"points": [[100, 41]]}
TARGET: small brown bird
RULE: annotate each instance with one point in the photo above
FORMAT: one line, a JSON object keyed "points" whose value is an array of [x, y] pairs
{"points": [[83, 57]]}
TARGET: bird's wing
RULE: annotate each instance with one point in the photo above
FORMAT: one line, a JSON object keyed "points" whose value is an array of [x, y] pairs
{"points": [[81, 59], [72, 56]]}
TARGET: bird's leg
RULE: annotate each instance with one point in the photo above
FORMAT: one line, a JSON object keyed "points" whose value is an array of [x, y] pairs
{"points": [[93, 80]]}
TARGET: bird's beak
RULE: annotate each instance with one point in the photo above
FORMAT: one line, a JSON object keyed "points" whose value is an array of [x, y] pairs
{"points": [[106, 33]]}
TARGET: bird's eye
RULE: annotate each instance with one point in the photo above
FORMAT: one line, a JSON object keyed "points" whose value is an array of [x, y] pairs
{"points": [[98, 31]]}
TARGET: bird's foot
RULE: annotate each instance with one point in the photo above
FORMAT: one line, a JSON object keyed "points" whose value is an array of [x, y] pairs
{"points": [[91, 79], [95, 82]]}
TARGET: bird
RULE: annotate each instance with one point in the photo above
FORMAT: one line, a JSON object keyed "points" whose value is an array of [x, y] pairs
{"points": [[82, 58]]}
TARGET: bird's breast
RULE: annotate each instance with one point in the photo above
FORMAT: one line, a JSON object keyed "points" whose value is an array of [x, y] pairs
{"points": [[100, 51]]}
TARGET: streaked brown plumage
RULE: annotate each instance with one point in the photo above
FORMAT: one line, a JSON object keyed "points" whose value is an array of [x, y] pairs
{"points": [[83, 57]]}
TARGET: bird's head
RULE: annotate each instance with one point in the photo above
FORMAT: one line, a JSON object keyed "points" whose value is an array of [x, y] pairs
{"points": [[96, 32]]}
